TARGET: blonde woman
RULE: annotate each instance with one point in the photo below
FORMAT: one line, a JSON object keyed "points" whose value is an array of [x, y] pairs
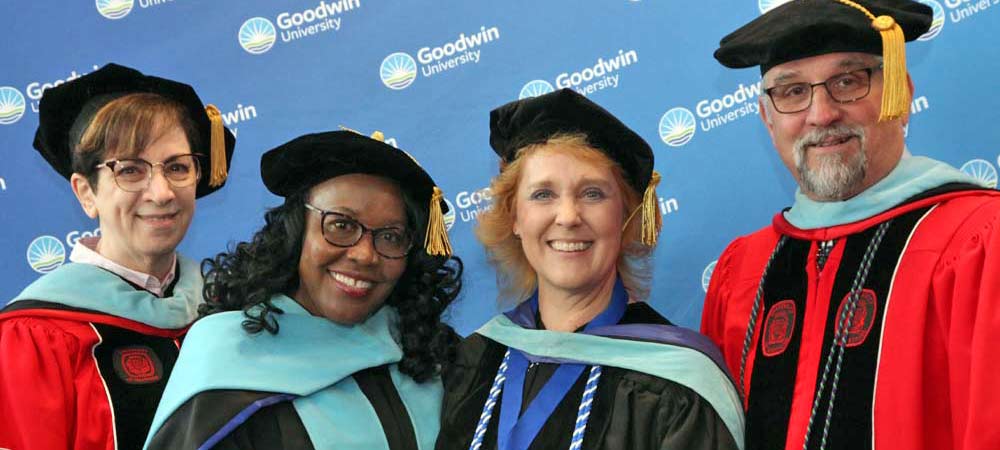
{"points": [[581, 361]]}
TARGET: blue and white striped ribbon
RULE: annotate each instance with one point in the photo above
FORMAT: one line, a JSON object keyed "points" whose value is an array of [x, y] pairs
{"points": [[582, 415], [491, 401]]}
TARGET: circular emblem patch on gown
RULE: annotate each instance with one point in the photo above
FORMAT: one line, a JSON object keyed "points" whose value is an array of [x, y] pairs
{"points": [[137, 365], [864, 317], [778, 328]]}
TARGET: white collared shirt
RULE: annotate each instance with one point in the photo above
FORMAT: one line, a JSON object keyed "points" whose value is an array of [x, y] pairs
{"points": [[85, 252]]}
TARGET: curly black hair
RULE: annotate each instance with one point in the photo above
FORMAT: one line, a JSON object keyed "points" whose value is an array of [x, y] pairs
{"points": [[250, 273]]}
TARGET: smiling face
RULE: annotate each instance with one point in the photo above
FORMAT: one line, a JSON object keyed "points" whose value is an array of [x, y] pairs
{"points": [[348, 284], [569, 217], [141, 229], [834, 150]]}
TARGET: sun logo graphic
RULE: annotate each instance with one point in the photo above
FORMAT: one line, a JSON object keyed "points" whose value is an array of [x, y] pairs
{"points": [[398, 71], [981, 170], [706, 275], [449, 217], [767, 5], [937, 23], [114, 9], [46, 254], [677, 127], [11, 105], [257, 35], [535, 88]]}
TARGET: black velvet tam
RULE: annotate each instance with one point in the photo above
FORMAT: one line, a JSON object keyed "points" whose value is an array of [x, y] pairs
{"points": [[313, 158], [534, 120], [66, 111], [803, 28]]}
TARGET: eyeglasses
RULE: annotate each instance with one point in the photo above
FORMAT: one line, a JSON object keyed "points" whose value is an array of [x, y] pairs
{"points": [[842, 88], [134, 174], [341, 230]]}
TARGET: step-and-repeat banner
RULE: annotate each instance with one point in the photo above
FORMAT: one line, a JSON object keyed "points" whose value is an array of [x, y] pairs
{"points": [[427, 73]]}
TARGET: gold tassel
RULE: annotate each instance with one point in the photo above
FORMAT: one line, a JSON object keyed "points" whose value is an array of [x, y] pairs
{"points": [[217, 147], [436, 242], [652, 221], [895, 90]]}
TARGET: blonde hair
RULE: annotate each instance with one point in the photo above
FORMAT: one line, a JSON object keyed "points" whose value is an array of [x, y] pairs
{"points": [[516, 278]]}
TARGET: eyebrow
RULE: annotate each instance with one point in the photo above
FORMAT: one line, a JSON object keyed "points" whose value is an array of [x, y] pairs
{"points": [[582, 182], [785, 77], [846, 64], [353, 215], [853, 63]]}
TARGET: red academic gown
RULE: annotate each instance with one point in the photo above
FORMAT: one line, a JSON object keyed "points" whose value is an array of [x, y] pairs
{"points": [[921, 354], [91, 380]]}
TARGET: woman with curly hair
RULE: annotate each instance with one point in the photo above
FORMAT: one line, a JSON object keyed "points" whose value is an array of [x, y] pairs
{"points": [[324, 331], [581, 361]]}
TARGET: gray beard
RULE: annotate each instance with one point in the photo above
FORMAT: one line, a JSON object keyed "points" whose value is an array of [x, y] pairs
{"points": [[832, 177]]}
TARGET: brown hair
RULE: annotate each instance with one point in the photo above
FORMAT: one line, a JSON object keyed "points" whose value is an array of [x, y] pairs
{"points": [[516, 278], [125, 126]]}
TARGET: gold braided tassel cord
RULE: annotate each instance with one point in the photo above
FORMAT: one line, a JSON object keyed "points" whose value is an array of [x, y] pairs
{"points": [[895, 90], [217, 147], [652, 221], [436, 242]]}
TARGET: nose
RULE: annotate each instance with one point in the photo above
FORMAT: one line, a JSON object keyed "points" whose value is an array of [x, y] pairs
{"points": [[159, 190], [364, 251], [824, 110], [568, 212]]}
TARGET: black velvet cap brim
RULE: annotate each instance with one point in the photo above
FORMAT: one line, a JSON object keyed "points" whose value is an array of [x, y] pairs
{"points": [[62, 105], [534, 120], [314, 158], [803, 28]]}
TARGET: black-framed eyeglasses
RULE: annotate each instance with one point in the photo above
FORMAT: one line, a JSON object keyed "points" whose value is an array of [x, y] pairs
{"points": [[846, 87], [341, 230], [134, 174]]}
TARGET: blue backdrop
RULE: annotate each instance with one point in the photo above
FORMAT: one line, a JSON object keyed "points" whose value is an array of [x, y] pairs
{"points": [[427, 73]]}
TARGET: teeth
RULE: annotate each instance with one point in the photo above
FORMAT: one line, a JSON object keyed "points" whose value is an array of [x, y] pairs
{"points": [[564, 246], [360, 284], [830, 142]]}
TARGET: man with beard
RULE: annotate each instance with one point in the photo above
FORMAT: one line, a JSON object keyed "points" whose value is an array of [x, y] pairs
{"points": [[866, 315]]}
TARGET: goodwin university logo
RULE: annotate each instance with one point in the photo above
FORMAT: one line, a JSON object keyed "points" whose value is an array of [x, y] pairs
{"points": [[677, 127], [535, 88], [981, 170], [937, 23], [46, 254], [398, 71], [449, 217], [11, 105], [257, 35], [114, 9]]}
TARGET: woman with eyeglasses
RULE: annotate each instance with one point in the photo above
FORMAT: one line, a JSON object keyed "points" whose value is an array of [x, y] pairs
{"points": [[324, 330], [86, 350]]}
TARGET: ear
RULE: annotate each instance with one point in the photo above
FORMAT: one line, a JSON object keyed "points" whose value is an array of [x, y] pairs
{"points": [[765, 115], [85, 194]]}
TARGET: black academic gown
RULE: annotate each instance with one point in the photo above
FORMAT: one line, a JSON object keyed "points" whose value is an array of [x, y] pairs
{"points": [[631, 410], [277, 426]]}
